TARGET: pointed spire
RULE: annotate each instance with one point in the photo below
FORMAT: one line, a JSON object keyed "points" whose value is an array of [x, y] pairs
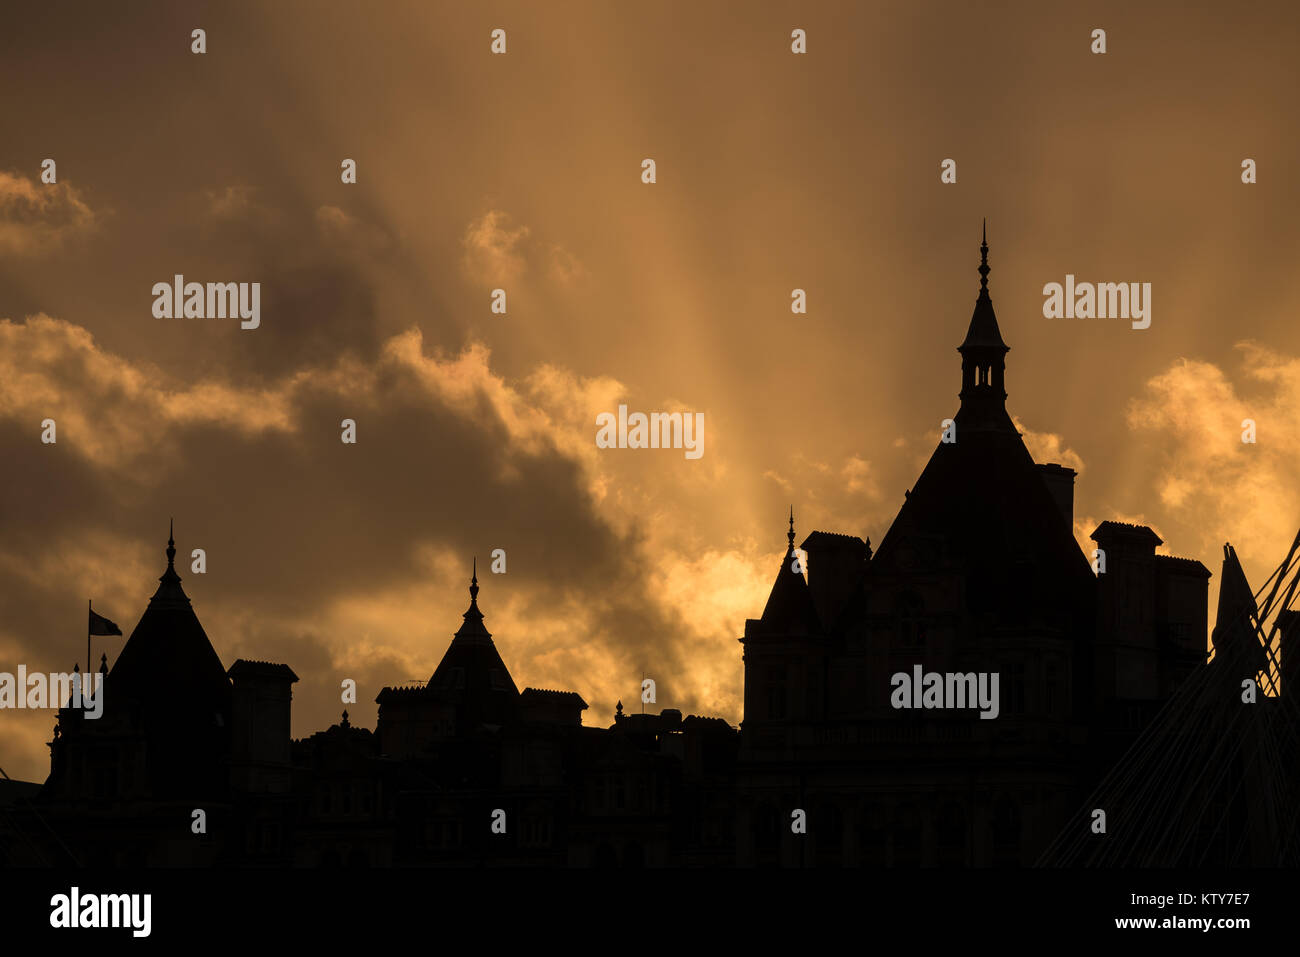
{"points": [[1236, 621], [473, 628], [789, 604], [103, 664], [983, 338], [169, 577], [984, 260]]}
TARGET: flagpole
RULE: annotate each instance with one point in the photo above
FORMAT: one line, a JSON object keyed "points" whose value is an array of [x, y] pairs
{"points": [[88, 610]]}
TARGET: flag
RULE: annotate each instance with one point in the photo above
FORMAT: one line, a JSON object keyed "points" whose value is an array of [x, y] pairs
{"points": [[99, 625]]}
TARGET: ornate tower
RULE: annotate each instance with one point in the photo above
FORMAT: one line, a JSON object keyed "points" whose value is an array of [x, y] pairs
{"points": [[983, 361]]}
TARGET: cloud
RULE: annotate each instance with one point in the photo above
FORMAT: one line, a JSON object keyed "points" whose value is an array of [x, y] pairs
{"points": [[350, 561], [341, 229], [858, 477], [38, 217], [1085, 525], [498, 252], [107, 409], [232, 203], [1210, 486], [565, 268], [814, 480], [785, 484], [494, 249], [1192, 416], [1048, 447]]}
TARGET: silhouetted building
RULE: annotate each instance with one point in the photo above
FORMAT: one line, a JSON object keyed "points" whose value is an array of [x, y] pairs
{"points": [[978, 576]]}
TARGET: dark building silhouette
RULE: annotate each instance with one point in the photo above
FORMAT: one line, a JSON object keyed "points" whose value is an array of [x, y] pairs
{"points": [[979, 574]]}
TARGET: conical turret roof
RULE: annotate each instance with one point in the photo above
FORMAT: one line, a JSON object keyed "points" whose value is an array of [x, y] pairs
{"points": [[790, 608], [168, 660]]}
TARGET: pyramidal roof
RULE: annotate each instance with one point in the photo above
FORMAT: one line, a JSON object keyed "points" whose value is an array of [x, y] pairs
{"points": [[168, 664], [981, 504], [983, 332], [1236, 600], [1234, 638], [471, 675], [790, 609]]}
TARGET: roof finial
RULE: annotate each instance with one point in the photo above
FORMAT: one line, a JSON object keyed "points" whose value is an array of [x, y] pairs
{"points": [[171, 544], [984, 260], [473, 584], [790, 534]]}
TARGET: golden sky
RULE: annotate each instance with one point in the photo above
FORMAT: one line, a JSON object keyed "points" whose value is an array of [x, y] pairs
{"points": [[523, 171]]}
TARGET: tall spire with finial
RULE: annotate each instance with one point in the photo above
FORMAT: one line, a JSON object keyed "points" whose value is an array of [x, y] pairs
{"points": [[789, 604], [984, 260], [473, 628], [471, 675], [169, 577], [983, 358]]}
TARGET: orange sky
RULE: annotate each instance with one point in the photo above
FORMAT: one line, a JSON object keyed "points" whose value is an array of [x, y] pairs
{"points": [[476, 431]]}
